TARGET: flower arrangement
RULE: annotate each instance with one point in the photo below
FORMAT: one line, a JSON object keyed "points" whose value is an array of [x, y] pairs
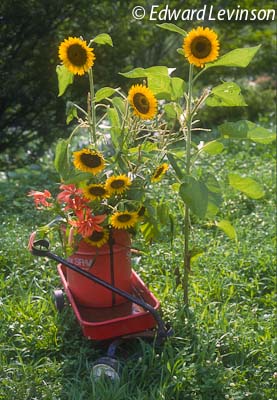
{"points": [[110, 162]]}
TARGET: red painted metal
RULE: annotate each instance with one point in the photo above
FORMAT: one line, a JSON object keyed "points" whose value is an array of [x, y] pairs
{"points": [[111, 322], [98, 261]]}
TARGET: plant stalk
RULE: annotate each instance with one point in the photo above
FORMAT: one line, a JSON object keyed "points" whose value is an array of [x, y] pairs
{"points": [[92, 124], [187, 210]]}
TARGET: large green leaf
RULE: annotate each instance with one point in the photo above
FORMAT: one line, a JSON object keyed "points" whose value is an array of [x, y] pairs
{"points": [[214, 147], [61, 161], [119, 104], [160, 86], [226, 95], [172, 28], [178, 87], [104, 93], [171, 158], [65, 78], [235, 58], [195, 194], [115, 126], [246, 185], [246, 130], [227, 228], [103, 38], [147, 72]]}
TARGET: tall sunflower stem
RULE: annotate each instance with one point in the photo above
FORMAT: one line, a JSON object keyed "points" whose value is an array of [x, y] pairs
{"points": [[92, 112], [187, 210]]}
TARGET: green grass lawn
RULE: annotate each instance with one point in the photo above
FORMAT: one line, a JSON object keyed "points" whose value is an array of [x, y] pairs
{"points": [[221, 349]]}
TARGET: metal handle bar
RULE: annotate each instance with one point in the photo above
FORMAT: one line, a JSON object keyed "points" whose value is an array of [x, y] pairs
{"points": [[41, 248]]}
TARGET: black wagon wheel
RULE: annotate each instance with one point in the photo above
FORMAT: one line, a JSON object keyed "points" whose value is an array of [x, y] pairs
{"points": [[106, 367], [59, 299]]}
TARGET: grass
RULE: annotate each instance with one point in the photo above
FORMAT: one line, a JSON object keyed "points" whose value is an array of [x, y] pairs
{"points": [[221, 349]]}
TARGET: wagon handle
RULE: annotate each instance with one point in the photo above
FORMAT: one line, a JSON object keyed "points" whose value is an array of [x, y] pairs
{"points": [[41, 248]]}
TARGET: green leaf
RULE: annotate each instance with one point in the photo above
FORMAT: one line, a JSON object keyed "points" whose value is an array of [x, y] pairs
{"points": [[158, 79], [75, 176], [226, 95], [214, 147], [113, 117], [71, 112], [147, 72], [103, 38], [246, 185], [178, 87], [195, 194], [227, 228], [172, 28], [214, 195], [235, 58], [195, 253], [65, 78], [246, 130], [163, 213], [160, 86], [61, 161], [175, 166], [119, 104], [104, 93]]}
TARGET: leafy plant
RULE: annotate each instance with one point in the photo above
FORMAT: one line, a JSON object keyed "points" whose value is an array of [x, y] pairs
{"points": [[199, 189]]}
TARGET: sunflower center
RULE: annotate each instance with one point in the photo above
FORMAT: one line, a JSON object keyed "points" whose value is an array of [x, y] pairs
{"points": [[97, 190], [158, 172], [91, 160], [141, 103], [77, 55], [201, 47], [118, 184], [96, 236], [124, 217]]}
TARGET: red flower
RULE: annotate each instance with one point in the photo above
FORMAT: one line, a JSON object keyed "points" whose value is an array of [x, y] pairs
{"points": [[87, 223], [69, 192], [73, 198], [40, 198]]}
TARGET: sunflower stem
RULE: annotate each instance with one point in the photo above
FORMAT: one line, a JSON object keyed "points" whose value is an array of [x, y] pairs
{"points": [[187, 210], [92, 119], [199, 73]]}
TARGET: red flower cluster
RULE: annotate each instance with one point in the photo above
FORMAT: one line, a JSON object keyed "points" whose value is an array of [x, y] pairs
{"points": [[73, 200], [40, 198]]}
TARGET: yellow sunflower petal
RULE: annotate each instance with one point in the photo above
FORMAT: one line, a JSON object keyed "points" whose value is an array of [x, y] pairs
{"points": [[201, 46], [159, 172], [95, 192], [88, 161], [77, 57], [124, 220], [98, 239], [117, 184], [142, 101]]}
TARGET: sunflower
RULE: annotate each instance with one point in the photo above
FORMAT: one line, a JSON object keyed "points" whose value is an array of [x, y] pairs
{"points": [[159, 172], [88, 161], [124, 220], [117, 184], [77, 57], [95, 191], [98, 238], [201, 46], [143, 101]]}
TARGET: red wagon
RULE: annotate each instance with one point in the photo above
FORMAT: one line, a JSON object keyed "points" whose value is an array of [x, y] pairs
{"points": [[137, 316]]}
